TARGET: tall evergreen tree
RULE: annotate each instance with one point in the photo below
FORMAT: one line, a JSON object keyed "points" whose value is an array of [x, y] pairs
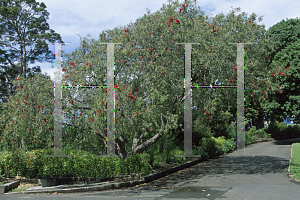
{"points": [[285, 101], [24, 31]]}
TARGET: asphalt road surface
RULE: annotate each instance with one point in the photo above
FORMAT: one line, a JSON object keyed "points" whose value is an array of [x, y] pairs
{"points": [[258, 172]]}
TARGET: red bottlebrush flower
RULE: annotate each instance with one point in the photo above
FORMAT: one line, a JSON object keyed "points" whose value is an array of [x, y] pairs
{"points": [[72, 63], [119, 60], [209, 117], [287, 75], [51, 128], [264, 92], [87, 64], [106, 90], [250, 21], [233, 65], [164, 72], [126, 30], [203, 17], [235, 68], [18, 100], [268, 58], [23, 115], [254, 93], [206, 112], [122, 115], [102, 102], [137, 112], [64, 70], [134, 43], [90, 65], [177, 21], [67, 76], [170, 63], [15, 142], [149, 128], [9, 105], [273, 74], [149, 33], [213, 27], [227, 63], [151, 50], [50, 113], [279, 73], [141, 68], [23, 109], [230, 81], [143, 57], [80, 113], [100, 111], [34, 141], [71, 101], [287, 68], [13, 120], [38, 106], [210, 47]]}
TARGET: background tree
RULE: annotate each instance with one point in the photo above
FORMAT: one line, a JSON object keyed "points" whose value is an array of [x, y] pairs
{"points": [[149, 53], [285, 100], [23, 24]]}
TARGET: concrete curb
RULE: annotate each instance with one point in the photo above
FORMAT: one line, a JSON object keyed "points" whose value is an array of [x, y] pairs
{"points": [[290, 165], [108, 185], [9, 186]]}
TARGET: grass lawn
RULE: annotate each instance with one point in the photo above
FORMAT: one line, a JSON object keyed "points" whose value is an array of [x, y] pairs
{"points": [[295, 161]]}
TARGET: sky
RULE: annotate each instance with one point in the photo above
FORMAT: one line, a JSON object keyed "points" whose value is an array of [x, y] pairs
{"points": [[72, 17]]}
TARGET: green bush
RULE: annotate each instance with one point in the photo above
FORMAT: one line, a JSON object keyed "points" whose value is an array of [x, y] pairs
{"points": [[261, 133], [280, 130], [230, 145], [175, 152], [250, 136], [34, 164], [198, 150], [211, 146]]}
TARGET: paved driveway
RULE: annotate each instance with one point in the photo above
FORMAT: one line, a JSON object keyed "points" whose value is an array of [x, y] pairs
{"points": [[258, 172]]}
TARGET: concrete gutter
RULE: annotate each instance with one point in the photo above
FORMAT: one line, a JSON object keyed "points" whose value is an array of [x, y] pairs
{"points": [[106, 185]]}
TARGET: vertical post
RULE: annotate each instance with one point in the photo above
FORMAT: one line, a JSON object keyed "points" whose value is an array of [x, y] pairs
{"points": [[240, 97], [110, 101], [57, 103], [188, 104]]}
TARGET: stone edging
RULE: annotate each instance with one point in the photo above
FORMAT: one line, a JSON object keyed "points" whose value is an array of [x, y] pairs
{"points": [[108, 185]]}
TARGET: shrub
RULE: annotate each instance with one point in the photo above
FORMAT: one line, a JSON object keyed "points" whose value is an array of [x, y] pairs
{"points": [[261, 133], [209, 145], [250, 136], [230, 145], [175, 152], [280, 130]]}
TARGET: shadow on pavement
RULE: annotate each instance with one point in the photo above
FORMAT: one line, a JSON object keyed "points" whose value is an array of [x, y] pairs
{"points": [[286, 142]]}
